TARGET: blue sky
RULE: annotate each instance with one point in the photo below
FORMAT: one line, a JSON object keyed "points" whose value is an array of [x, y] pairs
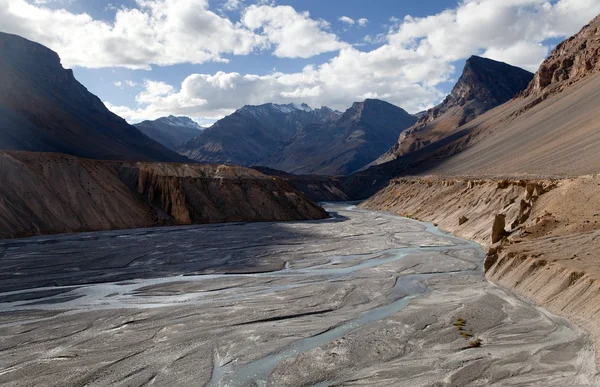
{"points": [[206, 58]]}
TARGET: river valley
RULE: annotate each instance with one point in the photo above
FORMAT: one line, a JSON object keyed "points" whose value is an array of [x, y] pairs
{"points": [[362, 299]]}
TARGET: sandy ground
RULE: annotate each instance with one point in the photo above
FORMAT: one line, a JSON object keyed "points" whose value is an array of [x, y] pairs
{"points": [[363, 299]]}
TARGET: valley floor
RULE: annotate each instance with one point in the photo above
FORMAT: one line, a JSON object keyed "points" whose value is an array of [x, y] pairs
{"points": [[365, 298]]}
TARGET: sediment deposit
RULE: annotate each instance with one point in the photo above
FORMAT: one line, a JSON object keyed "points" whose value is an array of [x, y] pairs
{"points": [[363, 298]]}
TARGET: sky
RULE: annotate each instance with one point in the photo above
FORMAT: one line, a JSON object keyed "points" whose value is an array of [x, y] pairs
{"points": [[206, 58]]}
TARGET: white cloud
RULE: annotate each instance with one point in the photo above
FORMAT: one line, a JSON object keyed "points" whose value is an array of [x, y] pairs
{"points": [[418, 55], [362, 22], [118, 84], [130, 83], [166, 32], [506, 30], [346, 20], [232, 5], [294, 34]]}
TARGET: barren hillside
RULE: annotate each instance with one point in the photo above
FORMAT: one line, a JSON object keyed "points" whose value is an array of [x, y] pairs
{"points": [[45, 193]]}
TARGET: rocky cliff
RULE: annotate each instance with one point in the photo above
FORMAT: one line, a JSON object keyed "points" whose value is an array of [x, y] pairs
{"points": [[45, 193], [572, 60], [43, 108]]}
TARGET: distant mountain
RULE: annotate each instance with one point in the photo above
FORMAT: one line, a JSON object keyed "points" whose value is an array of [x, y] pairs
{"points": [[253, 133], [355, 139], [483, 85], [44, 108], [170, 131]]}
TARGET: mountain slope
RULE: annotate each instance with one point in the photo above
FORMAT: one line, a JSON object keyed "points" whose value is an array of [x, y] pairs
{"points": [[483, 85], [44, 108], [170, 131], [552, 128], [253, 133], [357, 138]]}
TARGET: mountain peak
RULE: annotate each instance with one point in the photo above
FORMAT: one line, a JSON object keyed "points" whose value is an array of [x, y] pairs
{"points": [[484, 81]]}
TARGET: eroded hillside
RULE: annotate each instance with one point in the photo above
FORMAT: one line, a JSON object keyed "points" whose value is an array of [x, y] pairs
{"points": [[45, 193], [542, 235]]}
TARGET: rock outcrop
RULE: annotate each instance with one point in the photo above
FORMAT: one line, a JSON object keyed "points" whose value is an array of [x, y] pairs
{"points": [[44, 193], [498, 231], [43, 108], [572, 60]]}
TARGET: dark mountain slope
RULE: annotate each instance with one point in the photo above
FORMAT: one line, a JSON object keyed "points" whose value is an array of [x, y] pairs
{"points": [[253, 133], [44, 108], [357, 138]]}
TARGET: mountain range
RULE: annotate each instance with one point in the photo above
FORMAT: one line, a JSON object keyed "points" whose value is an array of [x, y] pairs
{"points": [[44, 108], [344, 145], [253, 133], [299, 139]]}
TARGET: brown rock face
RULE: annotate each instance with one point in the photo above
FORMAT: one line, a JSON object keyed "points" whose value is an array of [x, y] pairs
{"points": [[498, 231], [44, 193], [572, 60]]}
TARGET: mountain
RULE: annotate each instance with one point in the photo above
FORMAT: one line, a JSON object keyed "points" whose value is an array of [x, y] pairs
{"points": [[483, 85], [253, 133], [345, 145], [551, 129], [170, 131], [44, 108]]}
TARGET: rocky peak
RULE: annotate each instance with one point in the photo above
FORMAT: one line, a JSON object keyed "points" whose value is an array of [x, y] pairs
{"points": [[485, 81], [370, 108], [572, 60]]}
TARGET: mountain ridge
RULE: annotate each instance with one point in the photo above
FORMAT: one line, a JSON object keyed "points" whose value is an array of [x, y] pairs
{"points": [[170, 131], [44, 108]]}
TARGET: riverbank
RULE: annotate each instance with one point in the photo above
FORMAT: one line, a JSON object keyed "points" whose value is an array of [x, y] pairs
{"points": [[542, 235], [364, 298]]}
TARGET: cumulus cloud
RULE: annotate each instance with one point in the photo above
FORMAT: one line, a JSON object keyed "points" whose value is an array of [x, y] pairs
{"points": [[166, 32], [294, 34], [506, 30], [207, 97], [362, 22], [407, 69], [118, 84]]}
